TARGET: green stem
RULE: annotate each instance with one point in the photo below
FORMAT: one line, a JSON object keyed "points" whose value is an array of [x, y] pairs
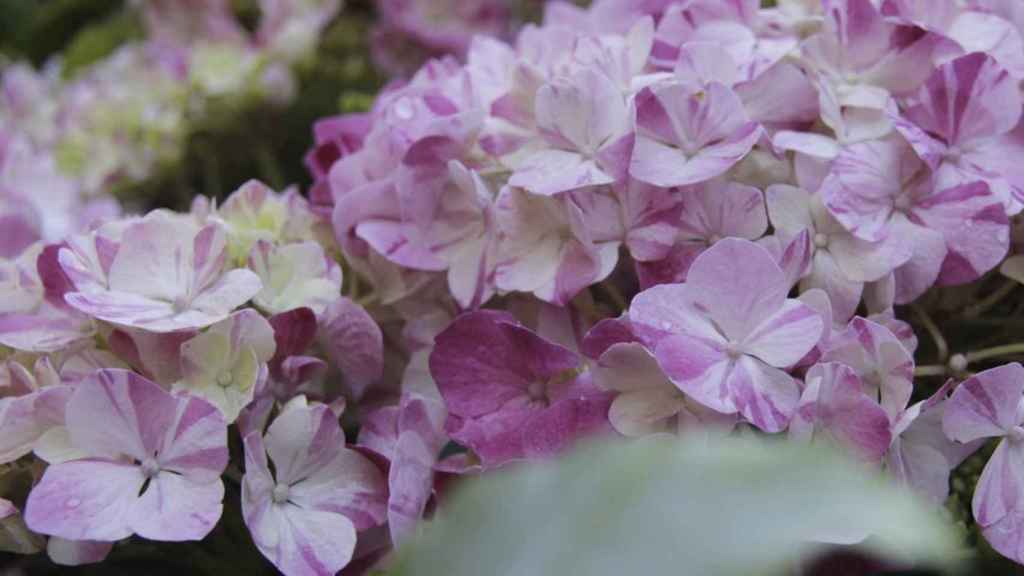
{"points": [[930, 370], [995, 352]]}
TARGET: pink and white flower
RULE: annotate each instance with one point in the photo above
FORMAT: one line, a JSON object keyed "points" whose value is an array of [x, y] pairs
{"points": [[166, 274], [304, 515], [987, 405], [726, 336], [152, 465]]}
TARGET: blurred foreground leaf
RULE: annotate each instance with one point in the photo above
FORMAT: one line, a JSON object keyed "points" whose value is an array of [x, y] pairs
{"points": [[730, 507]]}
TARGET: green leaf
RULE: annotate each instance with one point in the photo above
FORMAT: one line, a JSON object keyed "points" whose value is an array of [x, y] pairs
{"points": [[724, 508]]}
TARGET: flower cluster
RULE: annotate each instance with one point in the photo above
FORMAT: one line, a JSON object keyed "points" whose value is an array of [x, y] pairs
{"points": [[770, 183], [128, 350], [644, 217], [79, 134]]}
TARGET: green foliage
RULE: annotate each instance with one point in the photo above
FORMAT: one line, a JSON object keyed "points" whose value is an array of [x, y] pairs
{"points": [[36, 29], [97, 41], [731, 507]]}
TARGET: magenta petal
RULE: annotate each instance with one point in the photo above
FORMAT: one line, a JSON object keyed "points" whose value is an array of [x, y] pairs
{"points": [[968, 99], [354, 343]]}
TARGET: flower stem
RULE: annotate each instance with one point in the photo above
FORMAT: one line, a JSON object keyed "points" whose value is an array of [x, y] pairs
{"points": [[930, 370], [995, 352]]}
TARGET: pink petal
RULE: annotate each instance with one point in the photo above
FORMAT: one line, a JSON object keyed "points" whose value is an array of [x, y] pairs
{"points": [[786, 336], [177, 508], [968, 99], [682, 139], [85, 500], [998, 493], [985, 405], [718, 289], [354, 343]]}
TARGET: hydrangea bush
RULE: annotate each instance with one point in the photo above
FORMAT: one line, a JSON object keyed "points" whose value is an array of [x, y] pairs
{"points": [[653, 217]]}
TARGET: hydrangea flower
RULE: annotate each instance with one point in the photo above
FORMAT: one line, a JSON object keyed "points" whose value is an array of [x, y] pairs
{"points": [[531, 400], [709, 212], [585, 125], [304, 515], [646, 402], [224, 364], [956, 231], [841, 263], [167, 274], [686, 136], [725, 337], [152, 466], [960, 118], [834, 405], [33, 317], [548, 248], [921, 455], [987, 405], [294, 276]]}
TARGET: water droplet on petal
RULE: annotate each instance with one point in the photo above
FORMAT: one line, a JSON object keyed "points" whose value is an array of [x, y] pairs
{"points": [[72, 503]]}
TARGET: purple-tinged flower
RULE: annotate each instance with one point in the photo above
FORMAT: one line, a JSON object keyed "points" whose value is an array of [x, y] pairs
{"points": [[793, 255], [304, 515], [710, 212], [548, 246], [333, 138], [841, 263], [529, 401], [410, 436], [959, 120], [167, 274], [650, 216], [254, 212], [152, 466], [921, 456], [686, 137], [726, 336], [354, 344], [224, 364], [834, 405], [878, 357], [988, 405], [34, 317], [970, 29], [297, 275], [956, 231], [860, 60], [647, 402], [584, 122]]}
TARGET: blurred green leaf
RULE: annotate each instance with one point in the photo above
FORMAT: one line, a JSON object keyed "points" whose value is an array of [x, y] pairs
{"points": [[725, 508]]}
